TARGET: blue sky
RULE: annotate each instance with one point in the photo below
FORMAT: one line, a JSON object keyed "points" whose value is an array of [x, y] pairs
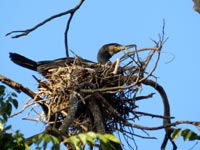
{"points": [[100, 22]]}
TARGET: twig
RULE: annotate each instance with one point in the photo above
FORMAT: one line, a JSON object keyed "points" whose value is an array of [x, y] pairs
{"points": [[20, 88], [139, 50], [68, 24], [26, 105], [27, 31], [195, 123], [152, 115], [143, 97]]}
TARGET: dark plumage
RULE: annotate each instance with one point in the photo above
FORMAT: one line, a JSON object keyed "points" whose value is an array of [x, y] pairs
{"points": [[108, 50], [40, 66], [104, 54]]}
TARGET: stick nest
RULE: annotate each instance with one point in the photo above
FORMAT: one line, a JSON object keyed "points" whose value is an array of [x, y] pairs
{"points": [[85, 96]]}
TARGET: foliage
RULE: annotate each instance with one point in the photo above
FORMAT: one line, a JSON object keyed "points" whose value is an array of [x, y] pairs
{"points": [[43, 140], [77, 141], [17, 141], [187, 134], [6, 102], [12, 141], [8, 140], [89, 138]]}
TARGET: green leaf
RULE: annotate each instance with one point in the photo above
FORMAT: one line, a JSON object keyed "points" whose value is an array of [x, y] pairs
{"points": [[14, 94], [176, 134], [9, 109], [7, 128], [38, 139], [26, 146], [104, 141], [112, 138], [2, 90], [193, 137], [1, 125], [15, 103], [75, 141], [90, 136], [47, 138], [189, 135], [55, 147], [82, 138], [102, 138], [55, 140]]}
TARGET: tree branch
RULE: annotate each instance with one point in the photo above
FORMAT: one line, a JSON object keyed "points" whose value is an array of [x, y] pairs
{"points": [[16, 86], [20, 88], [27, 31]]}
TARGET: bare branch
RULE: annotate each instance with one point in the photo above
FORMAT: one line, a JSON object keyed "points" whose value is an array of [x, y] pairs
{"points": [[20, 88], [27, 31], [195, 123], [21, 33], [16, 86]]}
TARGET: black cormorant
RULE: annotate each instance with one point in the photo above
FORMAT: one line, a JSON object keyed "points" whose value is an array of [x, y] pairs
{"points": [[104, 54]]}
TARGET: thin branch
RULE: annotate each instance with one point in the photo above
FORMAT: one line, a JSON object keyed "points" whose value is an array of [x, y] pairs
{"points": [[153, 115], [195, 123], [27, 31], [66, 33], [20, 88], [26, 105], [68, 24]]}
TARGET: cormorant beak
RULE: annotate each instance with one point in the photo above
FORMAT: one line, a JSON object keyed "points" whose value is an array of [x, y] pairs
{"points": [[124, 47], [119, 48]]}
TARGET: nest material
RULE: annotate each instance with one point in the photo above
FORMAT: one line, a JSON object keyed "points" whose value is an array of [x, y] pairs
{"points": [[72, 79], [86, 96]]}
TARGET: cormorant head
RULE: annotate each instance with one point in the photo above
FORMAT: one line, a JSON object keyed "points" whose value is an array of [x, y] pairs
{"points": [[108, 50]]}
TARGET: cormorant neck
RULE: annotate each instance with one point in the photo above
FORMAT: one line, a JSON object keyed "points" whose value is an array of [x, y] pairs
{"points": [[104, 57]]}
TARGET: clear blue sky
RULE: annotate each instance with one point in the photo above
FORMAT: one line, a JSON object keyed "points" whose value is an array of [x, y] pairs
{"points": [[100, 22]]}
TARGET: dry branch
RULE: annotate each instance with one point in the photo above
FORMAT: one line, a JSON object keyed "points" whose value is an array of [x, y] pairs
{"points": [[27, 31], [17, 86]]}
